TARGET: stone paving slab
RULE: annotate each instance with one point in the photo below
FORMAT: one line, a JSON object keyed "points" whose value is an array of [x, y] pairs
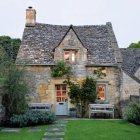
{"points": [[52, 138], [54, 134], [62, 122], [58, 125], [56, 129], [34, 129], [10, 129]]}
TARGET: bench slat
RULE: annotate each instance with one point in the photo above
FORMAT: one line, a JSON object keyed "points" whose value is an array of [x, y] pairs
{"points": [[101, 108]]}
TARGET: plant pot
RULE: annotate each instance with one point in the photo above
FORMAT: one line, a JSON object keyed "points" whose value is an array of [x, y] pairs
{"points": [[73, 114]]}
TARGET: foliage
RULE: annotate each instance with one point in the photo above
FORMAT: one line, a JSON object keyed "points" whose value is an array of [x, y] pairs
{"points": [[10, 46], [60, 69], [82, 95], [31, 118], [132, 114], [15, 96], [135, 45], [72, 109], [98, 73]]}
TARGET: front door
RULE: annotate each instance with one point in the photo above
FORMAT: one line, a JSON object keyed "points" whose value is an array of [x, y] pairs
{"points": [[61, 100]]}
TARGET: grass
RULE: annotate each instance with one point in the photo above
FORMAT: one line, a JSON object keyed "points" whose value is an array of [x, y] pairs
{"points": [[23, 134], [101, 130]]}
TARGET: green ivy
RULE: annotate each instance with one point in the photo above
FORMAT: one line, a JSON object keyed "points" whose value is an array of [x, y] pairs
{"points": [[60, 69]]}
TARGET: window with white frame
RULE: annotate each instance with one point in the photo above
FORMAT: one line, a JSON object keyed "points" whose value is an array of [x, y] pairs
{"points": [[70, 56]]}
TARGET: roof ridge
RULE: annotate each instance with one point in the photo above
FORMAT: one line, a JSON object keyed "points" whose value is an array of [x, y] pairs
{"points": [[71, 25]]}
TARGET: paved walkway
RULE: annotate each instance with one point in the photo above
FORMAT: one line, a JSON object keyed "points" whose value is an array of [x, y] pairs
{"points": [[56, 131]]}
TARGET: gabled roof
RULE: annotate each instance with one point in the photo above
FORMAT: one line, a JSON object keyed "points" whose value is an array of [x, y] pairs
{"points": [[131, 61], [38, 43]]}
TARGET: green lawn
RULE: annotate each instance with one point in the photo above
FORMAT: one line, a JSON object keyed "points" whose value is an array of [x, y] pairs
{"points": [[23, 134], [101, 130]]}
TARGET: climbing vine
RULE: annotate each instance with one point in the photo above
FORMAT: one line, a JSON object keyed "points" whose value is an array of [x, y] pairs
{"points": [[60, 69]]}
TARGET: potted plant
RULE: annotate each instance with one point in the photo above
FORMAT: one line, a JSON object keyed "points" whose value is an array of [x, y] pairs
{"points": [[72, 112]]}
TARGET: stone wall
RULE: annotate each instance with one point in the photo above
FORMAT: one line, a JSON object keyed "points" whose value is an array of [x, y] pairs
{"points": [[129, 87], [71, 42], [112, 81], [42, 85], [137, 74]]}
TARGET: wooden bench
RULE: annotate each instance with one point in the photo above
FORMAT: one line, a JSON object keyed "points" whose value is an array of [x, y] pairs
{"points": [[101, 108], [40, 106]]}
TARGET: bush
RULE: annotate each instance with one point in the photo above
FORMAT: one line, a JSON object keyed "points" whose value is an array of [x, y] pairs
{"points": [[132, 114], [31, 118]]}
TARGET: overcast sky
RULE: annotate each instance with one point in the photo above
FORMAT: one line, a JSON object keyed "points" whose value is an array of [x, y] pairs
{"points": [[124, 15]]}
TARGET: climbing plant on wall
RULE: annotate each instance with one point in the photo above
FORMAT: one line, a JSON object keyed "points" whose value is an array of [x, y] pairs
{"points": [[60, 69], [83, 94]]}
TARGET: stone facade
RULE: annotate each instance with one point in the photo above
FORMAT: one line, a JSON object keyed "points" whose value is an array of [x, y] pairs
{"points": [[129, 87], [137, 74], [42, 85]]}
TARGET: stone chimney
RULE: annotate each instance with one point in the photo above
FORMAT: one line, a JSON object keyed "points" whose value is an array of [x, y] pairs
{"points": [[30, 17]]}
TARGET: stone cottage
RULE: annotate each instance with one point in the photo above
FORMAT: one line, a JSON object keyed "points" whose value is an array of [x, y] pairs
{"points": [[86, 48]]}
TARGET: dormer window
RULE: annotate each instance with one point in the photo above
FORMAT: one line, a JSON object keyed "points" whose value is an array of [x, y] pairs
{"points": [[70, 56]]}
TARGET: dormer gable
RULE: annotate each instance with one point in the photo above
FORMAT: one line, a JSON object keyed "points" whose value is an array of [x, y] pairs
{"points": [[71, 49]]}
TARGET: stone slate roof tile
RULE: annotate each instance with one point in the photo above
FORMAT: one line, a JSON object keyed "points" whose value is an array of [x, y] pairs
{"points": [[39, 42], [131, 61]]}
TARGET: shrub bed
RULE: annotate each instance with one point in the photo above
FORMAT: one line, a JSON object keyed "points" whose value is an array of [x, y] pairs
{"points": [[132, 114], [30, 118]]}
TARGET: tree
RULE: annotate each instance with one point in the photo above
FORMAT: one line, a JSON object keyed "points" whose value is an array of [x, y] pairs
{"points": [[10, 46], [83, 94], [134, 45], [15, 94], [12, 78]]}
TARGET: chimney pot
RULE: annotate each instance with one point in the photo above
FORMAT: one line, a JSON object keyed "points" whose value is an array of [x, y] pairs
{"points": [[30, 7]]}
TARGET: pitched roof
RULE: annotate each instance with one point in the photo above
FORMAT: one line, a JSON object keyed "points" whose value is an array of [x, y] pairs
{"points": [[131, 61], [38, 43]]}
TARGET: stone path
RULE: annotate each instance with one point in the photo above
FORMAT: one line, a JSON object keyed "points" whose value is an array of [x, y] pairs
{"points": [[56, 131], [10, 129]]}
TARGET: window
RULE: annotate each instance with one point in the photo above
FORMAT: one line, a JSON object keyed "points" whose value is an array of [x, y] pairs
{"points": [[61, 95], [70, 56], [101, 91], [67, 56]]}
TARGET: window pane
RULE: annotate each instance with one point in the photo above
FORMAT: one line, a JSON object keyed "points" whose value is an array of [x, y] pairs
{"points": [[73, 57], [58, 99], [67, 56], [101, 92], [64, 93], [58, 93], [63, 87], [58, 87]]}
